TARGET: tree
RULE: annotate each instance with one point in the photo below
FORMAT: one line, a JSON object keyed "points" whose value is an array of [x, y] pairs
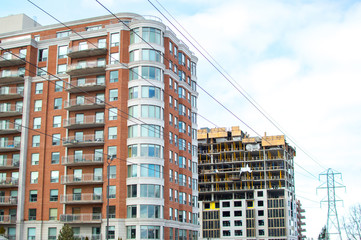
{"points": [[2, 230], [66, 233], [323, 234], [352, 224]]}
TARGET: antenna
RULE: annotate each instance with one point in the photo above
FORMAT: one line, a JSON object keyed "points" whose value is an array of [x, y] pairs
{"points": [[333, 226]]}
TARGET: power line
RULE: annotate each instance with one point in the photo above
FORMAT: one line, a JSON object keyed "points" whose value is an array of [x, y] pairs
{"points": [[244, 93]]}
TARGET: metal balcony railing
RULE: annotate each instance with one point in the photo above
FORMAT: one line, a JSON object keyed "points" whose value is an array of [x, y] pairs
{"points": [[81, 198], [7, 93], [9, 182], [7, 110], [9, 163], [87, 50], [81, 218], [84, 122], [9, 145], [85, 159], [87, 84], [8, 60], [8, 200], [88, 178], [7, 219], [86, 68], [84, 103], [83, 141]]}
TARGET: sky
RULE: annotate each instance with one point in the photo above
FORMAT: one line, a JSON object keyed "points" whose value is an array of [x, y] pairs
{"points": [[299, 60]]}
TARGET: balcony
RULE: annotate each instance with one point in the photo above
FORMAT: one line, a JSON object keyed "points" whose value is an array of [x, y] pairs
{"points": [[83, 141], [10, 110], [85, 198], [8, 93], [7, 219], [86, 68], [91, 237], [86, 122], [84, 160], [8, 201], [9, 182], [6, 164], [88, 85], [81, 218], [7, 77], [9, 146], [84, 104], [10, 60], [9, 128], [87, 51], [84, 179]]}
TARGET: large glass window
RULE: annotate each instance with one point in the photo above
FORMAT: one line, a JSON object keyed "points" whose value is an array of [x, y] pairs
{"points": [[133, 150], [134, 36], [54, 193], [35, 159], [151, 131], [152, 73], [132, 170], [150, 150], [36, 141], [151, 92], [132, 232], [151, 55], [152, 35], [38, 105], [133, 111], [51, 233], [150, 190], [149, 232], [31, 233], [43, 55], [149, 211], [150, 170], [57, 103], [112, 132], [113, 95], [133, 92], [132, 211], [63, 51], [113, 76], [151, 111], [132, 191], [113, 113]]}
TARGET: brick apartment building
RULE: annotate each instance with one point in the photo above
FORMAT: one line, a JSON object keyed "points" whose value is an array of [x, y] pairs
{"points": [[64, 105]]}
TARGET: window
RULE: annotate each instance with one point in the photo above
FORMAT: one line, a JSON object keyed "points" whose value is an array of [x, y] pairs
{"points": [[114, 39], [133, 92], [101, 62], [238, 223], [31, 233], [226, 204], [149, 211], [43, 55], [151, 35], [112, 132], [150, 150], [151, 92], [54, 195], [150, 111], [42, 71], [33, 196], [56, 139], [112, 172], [150, 190], [63, 50], [39, 88], [32, 214], [35, 159], [55, 156], [150, 170], [37, 123], [237, 213], [53, 213], [259, 194], [57, 121], [132, 170], [113, 95], [57, 103], [37, 106], [238, 203], [102, 43], [150, 232], [260, 203], [113, 76], [131, 232], [54, 176], [112, 152], [226, 223], [113, 113], [112, 191], [114, 58], [51, 233], [132, 191], [260, 222], [134, 73], [62, 34], [237, 232], [134, 36], [261, 232], [36, 141], [151, 55], [61, 69], [226, 214], [152, 73], [132, 211], [260, 213], [151, 131], [134, 56]]}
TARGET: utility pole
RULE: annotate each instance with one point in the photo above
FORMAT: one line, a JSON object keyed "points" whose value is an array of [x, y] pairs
{"points": [[109, 161], [333, 225]]}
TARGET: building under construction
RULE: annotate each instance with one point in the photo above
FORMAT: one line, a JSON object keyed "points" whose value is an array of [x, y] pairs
{"points": [[246, 186]]}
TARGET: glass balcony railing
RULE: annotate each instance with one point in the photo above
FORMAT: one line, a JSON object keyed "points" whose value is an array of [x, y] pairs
{"points": [[85, 103], [83, 198], [83, 179], [83, 141], [86, 84], [85, 159]]}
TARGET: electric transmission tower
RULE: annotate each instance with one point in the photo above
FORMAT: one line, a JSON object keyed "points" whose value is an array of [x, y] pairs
{"points": [[331, 183]]}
